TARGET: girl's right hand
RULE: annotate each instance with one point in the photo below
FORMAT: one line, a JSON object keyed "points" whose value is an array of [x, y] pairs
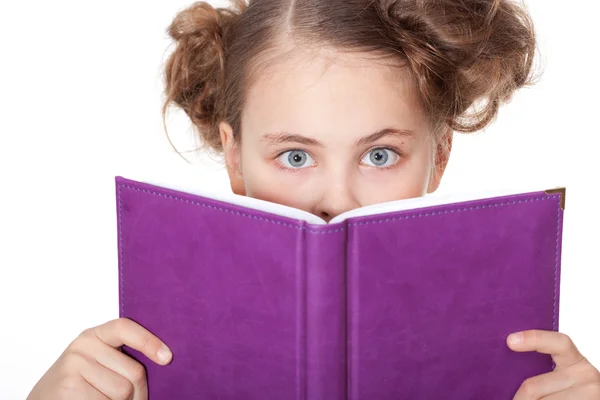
{"points": [[93, 368]]}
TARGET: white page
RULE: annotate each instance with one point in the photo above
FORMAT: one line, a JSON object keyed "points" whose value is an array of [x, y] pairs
{"points": [[431, 200], [187, 185]]}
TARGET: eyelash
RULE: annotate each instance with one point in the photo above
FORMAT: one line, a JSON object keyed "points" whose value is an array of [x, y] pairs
{"points": [[296, 170], [390, 148], [282, 167]]}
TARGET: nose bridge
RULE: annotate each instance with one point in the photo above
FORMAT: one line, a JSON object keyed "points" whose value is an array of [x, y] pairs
{"points": [[338, 193]]}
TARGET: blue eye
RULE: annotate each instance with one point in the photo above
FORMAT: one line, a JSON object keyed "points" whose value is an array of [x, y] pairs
{"points": [[296, 159], [380, 157]]}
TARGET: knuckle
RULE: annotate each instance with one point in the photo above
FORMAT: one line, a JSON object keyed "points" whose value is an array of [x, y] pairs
{"points": [[69, 383], [124, 390], [137, 373], [592, 391], [566, 342], [71, 363], [147, 343], [592, 374], [121, 325], [80, 345], [536, 337], [87, 333], [529, 388]]}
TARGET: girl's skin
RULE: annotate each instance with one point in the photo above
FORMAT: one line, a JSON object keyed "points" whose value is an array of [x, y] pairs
{"points": [[326, 132]]}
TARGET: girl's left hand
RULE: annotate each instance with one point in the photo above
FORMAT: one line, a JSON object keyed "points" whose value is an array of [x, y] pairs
{"points": [[573, 378]]}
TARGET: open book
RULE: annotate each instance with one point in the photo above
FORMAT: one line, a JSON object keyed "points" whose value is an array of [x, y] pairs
{"points": [[404, 300]]}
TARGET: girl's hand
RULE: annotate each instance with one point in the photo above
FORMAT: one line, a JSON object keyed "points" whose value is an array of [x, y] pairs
{"points": [[92, 367], [573, 378]]}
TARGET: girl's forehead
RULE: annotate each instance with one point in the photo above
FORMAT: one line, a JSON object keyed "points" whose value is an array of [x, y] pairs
{"points": [[320, 94]]}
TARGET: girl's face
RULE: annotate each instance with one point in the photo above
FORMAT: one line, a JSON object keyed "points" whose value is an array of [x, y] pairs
{"points": [[329, 133]]}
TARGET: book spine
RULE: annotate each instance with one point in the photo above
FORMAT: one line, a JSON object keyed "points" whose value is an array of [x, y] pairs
{"points": [[325, 321]]}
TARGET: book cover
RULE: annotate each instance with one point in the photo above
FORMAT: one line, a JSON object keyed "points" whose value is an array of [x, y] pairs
{"points": [[405, 300]]}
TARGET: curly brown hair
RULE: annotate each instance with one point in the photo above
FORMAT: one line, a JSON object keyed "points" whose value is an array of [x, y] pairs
{"points": [[466, 57]]}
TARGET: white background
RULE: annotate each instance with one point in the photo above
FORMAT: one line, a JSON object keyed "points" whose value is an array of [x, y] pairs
{"points": [[80, 98]]}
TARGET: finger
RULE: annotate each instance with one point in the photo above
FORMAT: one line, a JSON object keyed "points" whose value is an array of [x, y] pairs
{"points": [[92, 393], [589, 391], [123, 331], [78, 388], [545, 384], [558, 345], [109, 383], [125, 366]]}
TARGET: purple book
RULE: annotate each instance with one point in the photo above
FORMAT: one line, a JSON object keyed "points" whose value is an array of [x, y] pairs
{"points": [[404, 300]]}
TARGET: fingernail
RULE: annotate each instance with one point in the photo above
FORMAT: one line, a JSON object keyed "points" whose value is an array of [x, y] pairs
{"points": [[516, 338], [164, 354]]}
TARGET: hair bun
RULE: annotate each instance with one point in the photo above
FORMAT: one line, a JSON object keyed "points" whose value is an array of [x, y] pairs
{"points": [[469, 56], [200, 20], [194, 74]]}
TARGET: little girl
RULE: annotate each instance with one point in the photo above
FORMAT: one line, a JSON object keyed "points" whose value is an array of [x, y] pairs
{"points": [[326, 106]]}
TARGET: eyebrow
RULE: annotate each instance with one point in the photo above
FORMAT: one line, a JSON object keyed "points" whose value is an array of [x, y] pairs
{"points": [[274, 139], [387, 132]]}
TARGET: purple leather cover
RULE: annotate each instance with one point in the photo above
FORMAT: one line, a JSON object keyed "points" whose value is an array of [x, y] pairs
{"points": [[409, 305]]}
